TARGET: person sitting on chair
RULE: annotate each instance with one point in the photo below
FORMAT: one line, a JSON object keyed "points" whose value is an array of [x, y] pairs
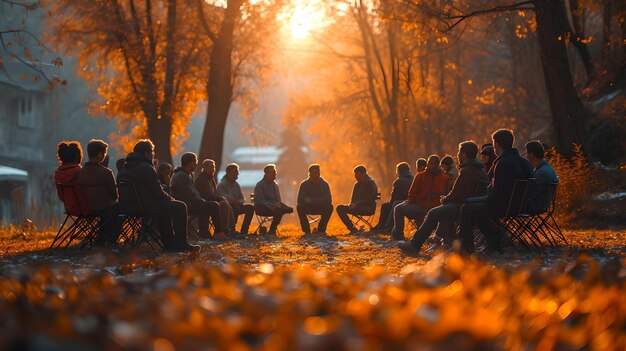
{"points": [[420, 165], [399, 193], [207, 186], [165, 171], [98, 185], [508, 167], [230, 189], [314, 198], [487, 156], [447, 164], [363, 199], [443, 217], [183, 189], [424, 194], [544, 175], [139, 169], [70, 156], [267, 199]]}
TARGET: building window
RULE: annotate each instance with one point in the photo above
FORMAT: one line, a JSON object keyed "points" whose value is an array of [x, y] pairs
{"points": [[26, 112]]}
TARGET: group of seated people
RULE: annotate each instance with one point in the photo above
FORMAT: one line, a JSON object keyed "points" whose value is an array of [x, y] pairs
{"points": [[439, 196]]}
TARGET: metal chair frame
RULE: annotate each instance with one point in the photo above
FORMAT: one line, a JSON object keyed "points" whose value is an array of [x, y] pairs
{"points": [[262, 220], [83, 226], [362, 221], [137, 227]]}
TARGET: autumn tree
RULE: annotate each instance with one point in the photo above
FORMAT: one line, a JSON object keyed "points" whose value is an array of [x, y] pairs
{"points": [[238, 33], [144, 59]]}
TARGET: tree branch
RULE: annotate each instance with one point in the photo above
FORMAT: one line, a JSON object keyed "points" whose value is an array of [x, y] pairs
{"points": [[497, 9], [203, 21]]}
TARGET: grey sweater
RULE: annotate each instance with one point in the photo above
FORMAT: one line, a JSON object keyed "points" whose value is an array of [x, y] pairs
{"points": [[231, 191], [266, 192]]}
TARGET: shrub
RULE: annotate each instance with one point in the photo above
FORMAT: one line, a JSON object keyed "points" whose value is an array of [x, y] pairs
{"points": [[577, 184]]}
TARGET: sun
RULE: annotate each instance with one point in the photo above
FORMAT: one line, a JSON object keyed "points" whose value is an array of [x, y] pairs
{"points": [[303, 18]]}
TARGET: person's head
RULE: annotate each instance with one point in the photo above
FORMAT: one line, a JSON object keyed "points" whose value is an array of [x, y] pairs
{"points": [[447, 163], [164, 170], [467, 151], [503, 140], [97, 150], [535, 152], [314, 172], [420, 165], [208, 167], [69, 152], [433, 162], [189, 161], [145, 147], [402, 167], [487, 155], [119, 164], [360, 172], [232, 172], [270, 172]]}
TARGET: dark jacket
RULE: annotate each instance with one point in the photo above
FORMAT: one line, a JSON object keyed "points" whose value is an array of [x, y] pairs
{"points": [[364, 195], [471, 173], [72, 197], [507, 168], [401, 186], [318, 193], [183, 188], [138, 169], [428, 187], [98, 184], [207, 187]]}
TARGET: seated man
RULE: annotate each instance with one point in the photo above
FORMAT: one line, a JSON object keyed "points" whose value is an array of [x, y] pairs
{"points": [[443, 217], [447, 164], [139, 169], [164, 171], [229, 188], [314, 198], [420, 165], [207, 186], [267, 199], [399, 193], [98, 185], [184, 190], [70, 155], [508, 167], [424, 194], [363, 199], [544, 174]]}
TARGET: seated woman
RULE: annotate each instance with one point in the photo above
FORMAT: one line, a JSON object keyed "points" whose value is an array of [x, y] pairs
{"points": [[70, 155]]}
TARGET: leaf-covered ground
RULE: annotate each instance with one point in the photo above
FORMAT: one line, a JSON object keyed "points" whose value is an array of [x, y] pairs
{"points": [[335, 292]]}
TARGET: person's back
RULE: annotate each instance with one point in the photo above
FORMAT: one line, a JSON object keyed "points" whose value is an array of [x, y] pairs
{"points": [[139, 170], [96, 180], [508, 168], [68, 190]]}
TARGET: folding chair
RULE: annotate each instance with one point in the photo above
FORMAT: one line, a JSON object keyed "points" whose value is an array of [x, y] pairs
{"points": [[509, 226], [362, 221], [137, 227], [83, 226], [541, 224], [262, 220], [313, 219]]}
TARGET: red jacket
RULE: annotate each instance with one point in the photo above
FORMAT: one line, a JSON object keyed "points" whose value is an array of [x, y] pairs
{"points": [[427, 187], [73, 197]]}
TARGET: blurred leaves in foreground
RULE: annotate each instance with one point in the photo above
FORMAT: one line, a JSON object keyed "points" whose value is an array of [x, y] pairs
{"points": [[183, 303]]}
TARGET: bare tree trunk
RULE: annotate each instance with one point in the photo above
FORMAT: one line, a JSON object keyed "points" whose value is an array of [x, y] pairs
{"points": [[577, 25], [568, 113], [220, 86], [607, 15]]}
